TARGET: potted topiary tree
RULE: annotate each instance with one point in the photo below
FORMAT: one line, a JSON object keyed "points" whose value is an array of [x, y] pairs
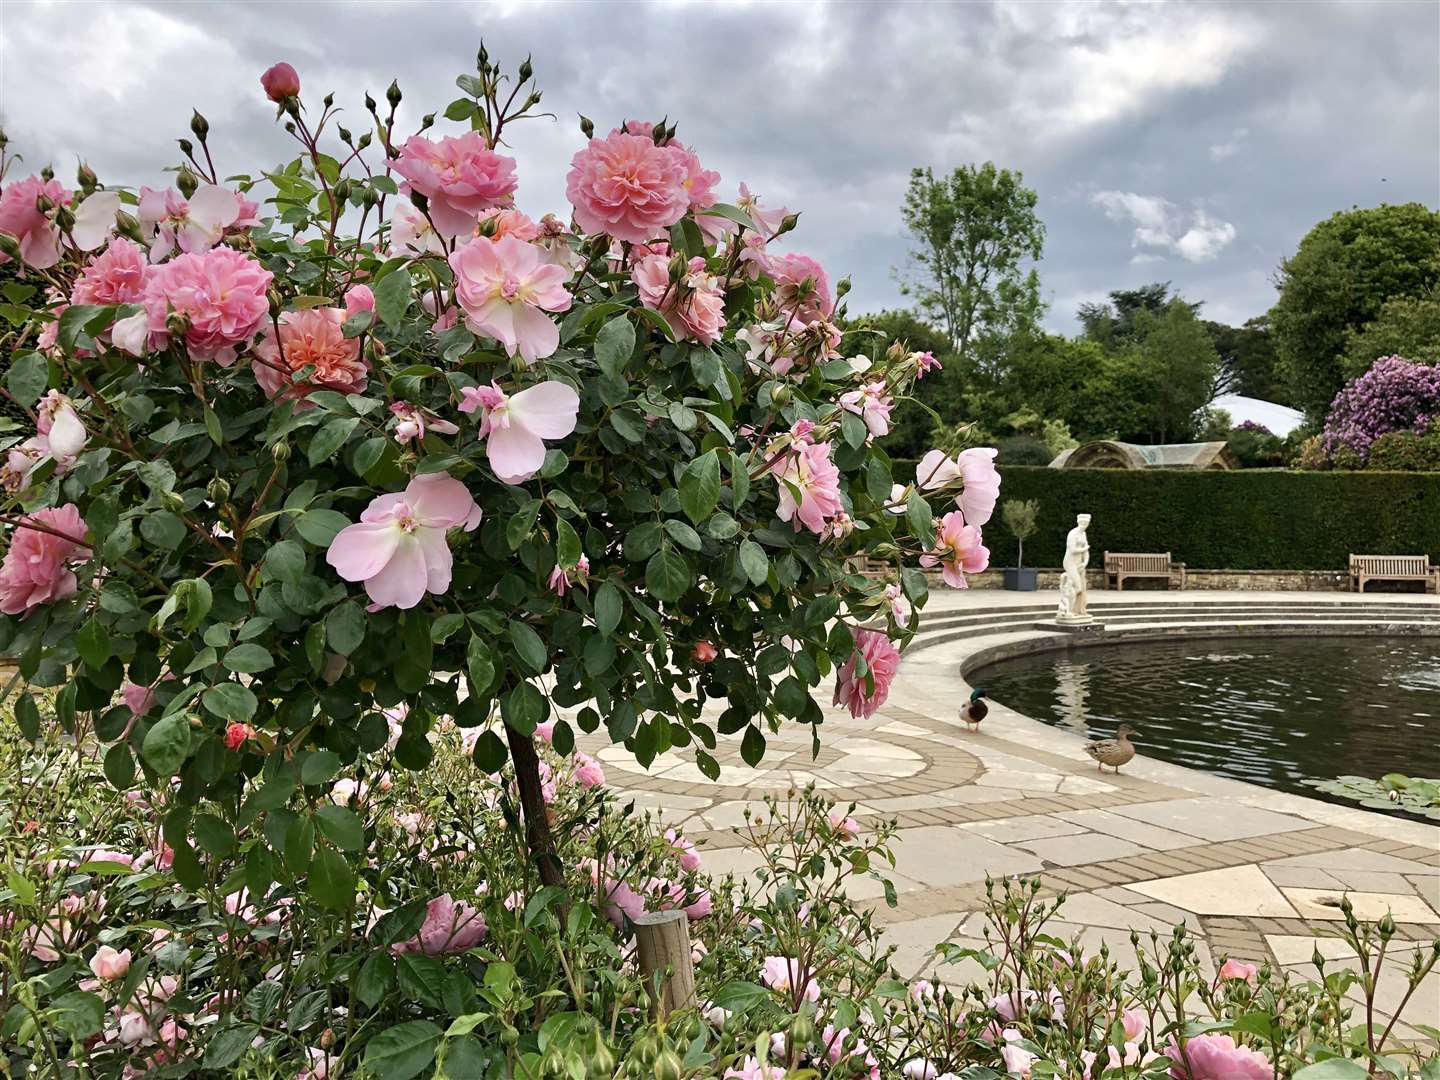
{"points": [[1019, 517]]}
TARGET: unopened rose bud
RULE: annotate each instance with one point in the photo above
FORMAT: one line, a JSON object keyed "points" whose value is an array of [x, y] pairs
{"points": [[186, 147], [369, 103], [419, 201], [174, 502], [668, 1065], [802, 1030], [426, 121], [781, 396], [345, 135], [678, 265], [64, 219], [280, 452], [328, 100], [842, 287], [4, 141], [277, 305], [9, 245], [342, 189], [86, 178], [187, 182], [532, 100], [587, 127], [393, 95], [176, 324], [482, 57], [486, 227], [280, 81], [526, 70], [199, 125], [659, 134], [290, 127], [291, 106], [327, 1039], [365, 140], [1386, 927], [371, 198], [47, 174], [787, 223], [218, 489]]}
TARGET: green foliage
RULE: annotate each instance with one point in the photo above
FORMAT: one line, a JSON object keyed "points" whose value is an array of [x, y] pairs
{"points": [[938, 393], [1121, 321], [1020, 518], [973, 231], [1406, 326], [1022, 450], [1236, 520], [1338, 281], [1406, 451], [1257, 449], [1247, 360], [1393, 791]]}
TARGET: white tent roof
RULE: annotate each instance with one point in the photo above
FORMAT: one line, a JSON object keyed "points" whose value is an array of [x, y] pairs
{"points": [[1280, 419]]}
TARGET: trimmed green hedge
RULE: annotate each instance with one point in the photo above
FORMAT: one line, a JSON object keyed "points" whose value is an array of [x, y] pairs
{"points": [[1245, 519]]}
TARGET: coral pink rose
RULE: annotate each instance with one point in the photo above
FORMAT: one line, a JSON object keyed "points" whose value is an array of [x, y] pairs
{"points": [[982, 484], [460, 176], [807, 469], [313, 338], [450, 926], [36, 569], [237, 735], [802, 288], [704, 652], [516, 426], [1216, 1057], [694, 306], [505, 288], [627, 187], [501, 221], [958, 550], [35, 229], [882, 659], [220, 293], [280, 81], [399, 549]]}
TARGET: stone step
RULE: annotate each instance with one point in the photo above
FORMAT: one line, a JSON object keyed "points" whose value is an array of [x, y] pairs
{"points": [[1111, 613]]}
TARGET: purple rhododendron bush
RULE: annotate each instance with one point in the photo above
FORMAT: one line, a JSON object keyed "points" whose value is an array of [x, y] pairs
{"points": [[347, 492]]}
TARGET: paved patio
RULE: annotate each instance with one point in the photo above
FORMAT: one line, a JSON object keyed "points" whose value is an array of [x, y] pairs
{"points": [[1256, 874]]}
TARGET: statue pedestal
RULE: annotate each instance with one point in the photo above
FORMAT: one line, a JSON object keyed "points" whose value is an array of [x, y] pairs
{"points": [[1084, 625]]}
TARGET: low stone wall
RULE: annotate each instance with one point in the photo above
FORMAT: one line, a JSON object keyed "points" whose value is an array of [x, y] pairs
{"points": [[1248, 580]]}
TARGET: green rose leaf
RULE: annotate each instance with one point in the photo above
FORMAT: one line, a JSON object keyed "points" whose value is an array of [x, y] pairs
{"points": [[700, 487], [248, 659], [331, 881], [167, 744], [667, 575], [404, 1051], [342, 827], [230, 701], [392, 297]]}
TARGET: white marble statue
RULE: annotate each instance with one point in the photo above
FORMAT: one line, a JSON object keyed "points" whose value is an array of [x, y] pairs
{"points": [[1073, 597]]}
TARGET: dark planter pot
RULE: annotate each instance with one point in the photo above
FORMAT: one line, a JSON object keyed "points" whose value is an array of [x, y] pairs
{"points": [[1019, 580]]}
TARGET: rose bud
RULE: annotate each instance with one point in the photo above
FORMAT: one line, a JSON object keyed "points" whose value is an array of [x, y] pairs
{"points": [[280, 82]]}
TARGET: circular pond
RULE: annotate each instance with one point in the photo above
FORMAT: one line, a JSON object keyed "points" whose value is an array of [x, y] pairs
{"points": [[1271, 711]]}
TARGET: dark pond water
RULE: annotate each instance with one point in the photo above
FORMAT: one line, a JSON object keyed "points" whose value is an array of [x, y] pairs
{"points": [[1272, 711]]}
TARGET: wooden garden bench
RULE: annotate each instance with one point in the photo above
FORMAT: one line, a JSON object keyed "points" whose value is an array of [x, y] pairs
{"points": [[1121, 564], [1365, 568]]}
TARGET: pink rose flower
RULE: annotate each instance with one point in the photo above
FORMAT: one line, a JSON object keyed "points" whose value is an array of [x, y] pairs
{"points": [[171, 222], [694, 306], [768, 220], [808, 470], [221, 294], [1134, 1021], [1018, 1061], [107, 964], [925, 362], [60, 426], [846, 827], [399, 548], [883, 660], [313, 338], [115, 276], [415, 422], [958, 550], [621, 902], [982, 484], [684, 849], [138, 699], [1216, 1057], [460, 176], [787, 976], [701, 907], [1238, 969], [36, 569], [359, 298], [704, 652], [450, 926], [505, 288], [35, 229], [753, 1069], [546, 731], [236, 735], [501, 221], [588, 773], [627, 187], [935, 471], [872, 403], [802, 288], [515, 427], [280, 81]]}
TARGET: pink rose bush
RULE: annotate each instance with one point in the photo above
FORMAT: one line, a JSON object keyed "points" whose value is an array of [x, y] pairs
{"points": [[459, 176]]}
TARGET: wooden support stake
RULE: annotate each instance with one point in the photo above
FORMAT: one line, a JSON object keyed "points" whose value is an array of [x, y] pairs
{"points": [[663, 939]]}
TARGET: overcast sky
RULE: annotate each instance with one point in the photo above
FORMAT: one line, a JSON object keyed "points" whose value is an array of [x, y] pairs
{"points": [[1190, 142]]}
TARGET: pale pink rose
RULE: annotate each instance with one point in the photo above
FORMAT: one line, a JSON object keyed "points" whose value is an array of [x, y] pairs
{"points": [[899, 606], [925, 362], [982, 484], [450, 926], [684, 849], [221, 294], [883, 660], [62, 429], [320, 1064], [359, 298], [501, 221], [841, 1045], [808, 470], [846, 827], [313, 338], [460, 176], [115, 276], [753, 259], [410, 232], [171, 222], [35, 229], [704, 652], [399, 549], [280, 81], [516, 426], [919, 1069], [1216, 1057], [694, 306], [768, 220], [1018, 1061], [621, 902], [139, 699], [627, 187], [1238, 969], [935, 470], [588, 773], [36, 569], [415, 422], [95, 220], [107, 964], [505, 288], [134, 1027], [753, 1069], [699, 182], [1134, 1022], [801, 288], [872, 403], [788, 976], [546, 731], [958, 550], [558, 582]]}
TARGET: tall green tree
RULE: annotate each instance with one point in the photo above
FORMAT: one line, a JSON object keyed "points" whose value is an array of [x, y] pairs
{"points": [[1182, 362], [1114, 323], [1407, 326], [1336, 283], [974, 232], [1247, 360]]}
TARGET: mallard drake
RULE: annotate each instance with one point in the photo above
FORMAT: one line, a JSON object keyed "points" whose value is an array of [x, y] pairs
{"points": [[975, 710], [1113, 752]]}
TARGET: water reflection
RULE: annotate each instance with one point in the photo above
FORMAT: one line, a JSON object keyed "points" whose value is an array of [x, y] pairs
{"points": [[1274, 712]]}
